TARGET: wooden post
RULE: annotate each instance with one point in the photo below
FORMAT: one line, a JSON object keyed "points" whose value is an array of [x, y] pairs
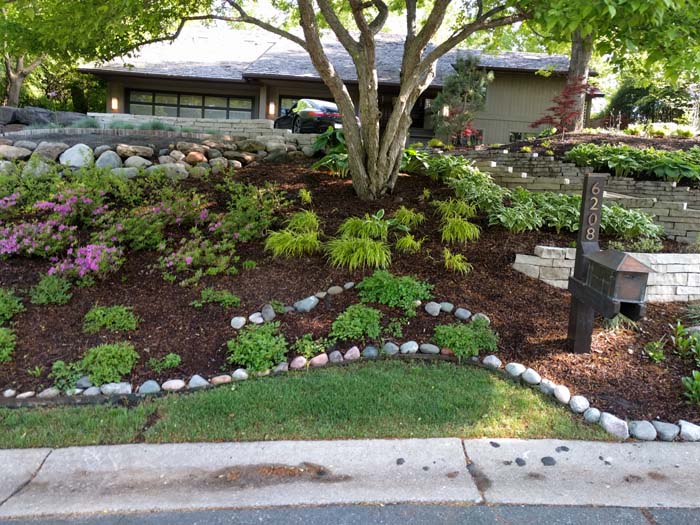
{"points": [[581, 316]]}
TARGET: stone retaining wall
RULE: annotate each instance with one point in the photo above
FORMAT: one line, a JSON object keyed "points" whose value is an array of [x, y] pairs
{"points": [[676, 276]]}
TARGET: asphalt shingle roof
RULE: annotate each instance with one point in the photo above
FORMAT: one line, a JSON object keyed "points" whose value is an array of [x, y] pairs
{"points": [[220, 53]]}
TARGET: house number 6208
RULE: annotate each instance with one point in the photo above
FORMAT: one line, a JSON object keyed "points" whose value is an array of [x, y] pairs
{"points": [[592, 218]]}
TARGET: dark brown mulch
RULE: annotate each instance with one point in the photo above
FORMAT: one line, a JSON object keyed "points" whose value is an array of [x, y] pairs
{"points": [[530, 316]]}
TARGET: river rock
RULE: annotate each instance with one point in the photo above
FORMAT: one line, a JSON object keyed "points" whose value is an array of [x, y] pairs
{"points": [[240, 374], [50, 150], [172, 171], [462, 314], [7, 393], [349, 285], [268, 312], [579, 404], [446, 307], [177, 155], [92, 391], [109, 159], [166, 159], [335, 357], [256, 318], [370, 352], [250, 146], [49, 393], [298, 363], [642, 430], [129, 150], [238, 322], [390, 348], [194, 157], [218, 165], [173, 385], [592, 415], [531, 377], [99, 150], [13, 153], [335, 290], [432, 308], [689, 431], [26, 395], [614, 426], [137, 162], [306, 305], [26, 144], [149, 387], [409, 347], [492, 362], [197, 381], [481, 317], [188, 147], [428, 348], [280, 368], [319, 360], [222, 379], [353, 354], [126, 173], [515, 370], [84, 383], [562, 394], [666, 431], [114, 389], [547, 387], [78, 156]]}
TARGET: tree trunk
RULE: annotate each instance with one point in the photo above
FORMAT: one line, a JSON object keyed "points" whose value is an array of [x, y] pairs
{"points": [[14, 87], [579, 69], [16, 73]]}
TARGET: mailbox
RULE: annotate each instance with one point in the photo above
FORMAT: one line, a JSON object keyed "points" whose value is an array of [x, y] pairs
{"points": [[617, 275]]}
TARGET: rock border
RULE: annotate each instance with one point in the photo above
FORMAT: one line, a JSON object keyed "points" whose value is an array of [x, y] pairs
{"points": [[123, 393]]}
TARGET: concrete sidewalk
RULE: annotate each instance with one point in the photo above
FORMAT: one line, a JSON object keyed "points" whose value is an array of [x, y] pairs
{"points": [[199, 477]]}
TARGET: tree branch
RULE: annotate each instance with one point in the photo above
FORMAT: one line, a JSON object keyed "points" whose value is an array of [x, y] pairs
{"points": [[243, 16], [410, 19], [377, 24], [344, 37]]}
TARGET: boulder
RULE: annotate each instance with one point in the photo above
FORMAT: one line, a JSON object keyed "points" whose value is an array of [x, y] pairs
{"points": [[218, 165], [78, 156], [614, 425], [276, 156], [137, 162], [177, 155], [166, 159], [213, 153], [66, 118], [128, 150], [172, 171], [250, 146], [189, 147], [14, 153], [30, 115], [7, 115], [127, 173], [50, 150], [26, 144], [36, 168], [109, 159], [194, 157], [7, 167], [99, 150]]}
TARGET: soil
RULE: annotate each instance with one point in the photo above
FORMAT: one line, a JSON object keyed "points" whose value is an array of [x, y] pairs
{"points": [[530, 317]]}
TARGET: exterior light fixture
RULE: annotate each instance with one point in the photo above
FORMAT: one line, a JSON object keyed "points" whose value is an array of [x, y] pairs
{"points": [[445, 111], [271, 107], [115, 104]]}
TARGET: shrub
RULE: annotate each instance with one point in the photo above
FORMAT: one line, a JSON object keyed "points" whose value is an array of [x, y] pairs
{"points": [[519, 218], [157, 125], [466, 340], [409, 244], [358, 252], [10, 305], [7, 344], [121, 124], [65, 375], [51, 289], [654, 350], [456, 262], [299, 238], [367, 227], [258, 347], [408, 217], [112, 318], [305, 197], [398, 292], [308, 347], [454, 208], [167, 362], [642, 245], [222, 297], [336, 163], [691, 386], [628, 224], [458, 230], [108, 363], [357, 323], [86, 123]]}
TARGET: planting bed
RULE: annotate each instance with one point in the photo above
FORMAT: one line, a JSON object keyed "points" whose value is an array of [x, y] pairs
{"points": [[529, 317]]}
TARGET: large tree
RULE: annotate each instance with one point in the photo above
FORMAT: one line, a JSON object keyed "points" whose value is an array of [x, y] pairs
{"points": [[69, 31]]}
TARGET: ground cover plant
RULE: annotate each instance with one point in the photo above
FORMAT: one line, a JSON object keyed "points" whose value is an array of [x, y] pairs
{"points": [[112, 318], [225, 220]]}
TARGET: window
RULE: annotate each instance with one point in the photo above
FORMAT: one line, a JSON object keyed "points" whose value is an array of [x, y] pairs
{"points": [[162, 104], [286, 104]]}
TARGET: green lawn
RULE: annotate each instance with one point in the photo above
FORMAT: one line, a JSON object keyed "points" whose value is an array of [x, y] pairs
{"points": [[371, 400]]}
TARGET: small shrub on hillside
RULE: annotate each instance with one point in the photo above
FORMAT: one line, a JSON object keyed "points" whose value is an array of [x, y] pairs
{"points": [[456, 262], [222, 297], [398, 292], [628, 224], [65, 375], [453, 208], [305, 197], [7, 344], [86, 123], [408, 217], [109, 363], [654, 350], [299, 238], [167, 362], [112, 318], [121, 124], [10, 305], [157, 125], [691, 387], [258, 347], [466, 340], [358, 252], [457, 230], [643, 245], [309, 347], [357, 323], [51, 289], [409, 244], [367, 227]]}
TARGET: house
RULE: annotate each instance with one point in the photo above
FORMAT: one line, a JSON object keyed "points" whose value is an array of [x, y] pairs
{"points": [[222, 73]]}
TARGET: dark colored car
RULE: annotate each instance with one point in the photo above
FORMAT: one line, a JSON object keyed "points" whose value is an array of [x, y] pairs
{"points": [[309, 115]]}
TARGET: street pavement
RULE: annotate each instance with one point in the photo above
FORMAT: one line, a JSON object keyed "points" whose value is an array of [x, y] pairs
{"points": [[360, 481]]}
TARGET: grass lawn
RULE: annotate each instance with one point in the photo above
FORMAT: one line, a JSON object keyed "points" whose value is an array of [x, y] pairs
{"points": [[388, 399]]}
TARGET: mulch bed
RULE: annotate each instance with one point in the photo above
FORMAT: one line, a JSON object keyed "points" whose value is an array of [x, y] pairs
{"points": [[530, 316]]}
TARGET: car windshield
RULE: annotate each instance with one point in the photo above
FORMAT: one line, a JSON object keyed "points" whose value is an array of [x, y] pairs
{"points": [[329, 107]]}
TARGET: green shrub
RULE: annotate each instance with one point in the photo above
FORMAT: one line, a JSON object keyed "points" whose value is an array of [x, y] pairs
{"points": [[305, 197], [108, 363], [222, 297], [157, 125], [409, 244], [454, 208], [456, 262], [458, 230], [112, 318], [65, 375], [309, 347], [628, 224], [691, 387], [167, 362], [466, 340], [367, 227], [298, 239], [357, 323], [642, 245], [258, 347], [337, 164], [654, 350], [398, 292], [10, 305], [408, 217], [7, 344], [358, 252], [121, 124], [51, 289]]}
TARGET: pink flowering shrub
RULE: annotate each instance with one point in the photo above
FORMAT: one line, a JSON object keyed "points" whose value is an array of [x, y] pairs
{"points": [[42, 238], [198, 256], [9, 201], [93, 260], [74, 205]]}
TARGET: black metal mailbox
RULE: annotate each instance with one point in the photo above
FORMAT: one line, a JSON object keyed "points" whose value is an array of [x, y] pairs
{"points": [[617, 275]]}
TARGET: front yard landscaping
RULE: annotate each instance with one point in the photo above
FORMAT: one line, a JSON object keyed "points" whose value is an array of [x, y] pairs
{"points": [[107, 279]]}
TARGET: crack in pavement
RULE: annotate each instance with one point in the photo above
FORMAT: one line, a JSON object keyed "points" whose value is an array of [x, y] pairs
{"points": [[24, 485], [480, 480]]}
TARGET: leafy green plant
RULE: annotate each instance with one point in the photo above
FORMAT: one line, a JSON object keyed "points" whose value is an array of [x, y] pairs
{"points": [[526, 149], [409, 244], [277, 306], [225, 298], [466, 340], [112, 318], [408, 217], [369, 226], [258, 347], [65, 375], [166, 362], [10, 305], [109, 363], [330, 141], [397, 292], [336, 163], [654, 350], [357, 323], [51, 289], [305, 197], [517, 219], [358, 252], [457, 230], [394, 329], [309, 347], [456, 262], [454, 208], [436, 143], [298, 239], [35, 371], [691, 386], [628, 224], [642, 245], [249, 264], [7, 344]]}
